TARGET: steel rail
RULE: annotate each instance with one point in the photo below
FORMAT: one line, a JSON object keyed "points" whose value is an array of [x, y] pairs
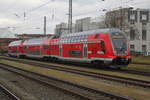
{"points": [[83, 97], [134, 72], [129, 81], [11, 95], [140, 63]]}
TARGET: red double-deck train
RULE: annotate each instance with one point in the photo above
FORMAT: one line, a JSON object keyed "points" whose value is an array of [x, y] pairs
{"points": [[101, 47]]}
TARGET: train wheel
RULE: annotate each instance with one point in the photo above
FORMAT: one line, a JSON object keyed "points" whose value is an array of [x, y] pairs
{"points": [[98, 64], [52, 59], [21, 56], [45, 59], [118, 67]]}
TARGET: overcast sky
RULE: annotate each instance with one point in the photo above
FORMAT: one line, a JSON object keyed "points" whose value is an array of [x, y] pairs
{"points": [[12, 12]]}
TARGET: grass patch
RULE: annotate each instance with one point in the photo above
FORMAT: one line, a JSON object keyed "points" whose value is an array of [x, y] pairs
{"points": [[138, 67], [141, 59]]}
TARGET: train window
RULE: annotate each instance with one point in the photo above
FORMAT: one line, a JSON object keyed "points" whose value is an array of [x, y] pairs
{"points": [[64, 40], [81, 38], [85, 38], [25, 47], [68, 40], [61, 41], [34, 52], [103, 47], [45, 46], [96, 36], [75, 53], [74, 39], [78, 39]]}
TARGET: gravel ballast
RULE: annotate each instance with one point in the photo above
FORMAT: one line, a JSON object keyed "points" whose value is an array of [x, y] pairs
{"points": [[3, 96], [30, 90]]}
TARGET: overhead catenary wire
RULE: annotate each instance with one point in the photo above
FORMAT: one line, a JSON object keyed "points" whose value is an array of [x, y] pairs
{"points": [[33, 26], [42, 5], [84, 13], [21, 15], [73, 15]]}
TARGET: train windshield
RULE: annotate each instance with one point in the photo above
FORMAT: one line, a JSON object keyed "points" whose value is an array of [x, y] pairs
{"points": [[119, 43]]}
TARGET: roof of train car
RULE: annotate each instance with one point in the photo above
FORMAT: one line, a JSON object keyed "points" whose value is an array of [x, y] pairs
{"points": [[15, 43], [35, 41], [107, 30], [38, 41]]}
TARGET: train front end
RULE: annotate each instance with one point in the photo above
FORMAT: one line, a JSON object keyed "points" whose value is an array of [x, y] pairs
{"points": [[121, 49]]}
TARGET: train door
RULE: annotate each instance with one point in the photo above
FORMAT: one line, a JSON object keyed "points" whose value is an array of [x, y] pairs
{"points": [[103, 48], [60, 50], [85, 50], [40, 50]]}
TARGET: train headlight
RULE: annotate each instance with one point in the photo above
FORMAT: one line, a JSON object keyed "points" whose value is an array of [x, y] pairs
{"points": [[89, 52], [100, 52]]}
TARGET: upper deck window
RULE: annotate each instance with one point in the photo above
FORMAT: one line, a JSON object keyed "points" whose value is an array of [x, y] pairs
{"points": [[45, 46], [74, 39]]}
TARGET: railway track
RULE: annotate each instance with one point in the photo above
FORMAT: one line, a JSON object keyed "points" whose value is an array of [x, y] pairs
{"points": [[134, 72], [141, 63], [81, 92], [118, 79], [126, 71], [6, 94]]}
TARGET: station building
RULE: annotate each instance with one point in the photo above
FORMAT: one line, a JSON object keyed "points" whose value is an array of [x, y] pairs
{"points": [[134, 22]]}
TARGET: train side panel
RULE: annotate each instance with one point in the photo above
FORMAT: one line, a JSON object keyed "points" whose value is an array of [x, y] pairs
{"points": [[15, 48], [72, 50]]}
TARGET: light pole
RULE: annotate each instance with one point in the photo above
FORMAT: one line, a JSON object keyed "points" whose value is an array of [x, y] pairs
{"points": [[44, 25], [70, 17]]}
